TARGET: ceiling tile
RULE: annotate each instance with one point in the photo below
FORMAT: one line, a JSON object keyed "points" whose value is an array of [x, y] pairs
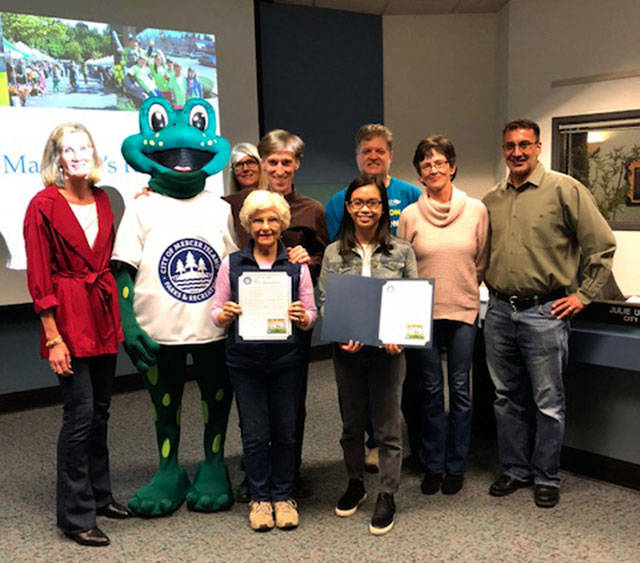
{"points": [[297, 2], [398, 7], [362, 6], [480, 6]]}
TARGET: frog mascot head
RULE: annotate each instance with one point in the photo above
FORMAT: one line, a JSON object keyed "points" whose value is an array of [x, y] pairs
{"points": [[178, 148], [168, 250]]}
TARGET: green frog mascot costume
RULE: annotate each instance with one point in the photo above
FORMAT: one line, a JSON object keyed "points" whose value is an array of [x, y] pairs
{"points": [[168, 251]]}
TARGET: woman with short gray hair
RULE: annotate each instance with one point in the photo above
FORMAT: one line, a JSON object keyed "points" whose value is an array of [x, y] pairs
{"points": [[266, 376]]}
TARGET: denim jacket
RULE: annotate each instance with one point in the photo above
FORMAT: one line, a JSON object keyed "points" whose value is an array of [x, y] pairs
{"points": [[400, 264]]}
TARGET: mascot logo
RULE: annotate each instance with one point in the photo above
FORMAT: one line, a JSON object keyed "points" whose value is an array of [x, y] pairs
{"points": [[188, 270]]}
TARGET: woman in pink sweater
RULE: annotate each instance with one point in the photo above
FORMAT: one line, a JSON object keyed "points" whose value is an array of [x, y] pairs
{"points": [[449, 234]]}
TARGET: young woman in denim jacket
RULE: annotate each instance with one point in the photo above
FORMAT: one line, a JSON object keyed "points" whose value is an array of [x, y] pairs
{"points": [[369, 378]]}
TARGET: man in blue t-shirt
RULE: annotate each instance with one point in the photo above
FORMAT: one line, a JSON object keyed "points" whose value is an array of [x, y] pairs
{"points": [[373, 156]]}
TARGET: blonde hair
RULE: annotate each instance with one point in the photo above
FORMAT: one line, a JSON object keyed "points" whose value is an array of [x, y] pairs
{"points": [[50, 168], [240, 151], [370, 130], [281, 140], [259, 200]]}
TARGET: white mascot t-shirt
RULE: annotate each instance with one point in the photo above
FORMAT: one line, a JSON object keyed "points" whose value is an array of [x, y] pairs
{"points": [[177, 246]]}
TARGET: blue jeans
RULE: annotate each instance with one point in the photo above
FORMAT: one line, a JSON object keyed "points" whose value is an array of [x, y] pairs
{"points": [[526, 355], [84, 481], [268, 402], [446, 439]]}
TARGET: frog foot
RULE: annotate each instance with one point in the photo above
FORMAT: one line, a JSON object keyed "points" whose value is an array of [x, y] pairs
{"points": [[211, 489], [163, 495]]}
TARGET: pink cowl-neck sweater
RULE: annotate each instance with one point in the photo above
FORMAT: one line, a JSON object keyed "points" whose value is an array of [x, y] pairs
{"points": [[451, 243]]}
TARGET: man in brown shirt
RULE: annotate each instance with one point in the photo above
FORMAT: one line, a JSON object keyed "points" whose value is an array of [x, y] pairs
{"points": [[542, 224], [307, 235]]}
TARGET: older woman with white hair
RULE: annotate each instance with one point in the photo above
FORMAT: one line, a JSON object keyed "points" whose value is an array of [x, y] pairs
{"points": [[305, 238], [267, 377]]}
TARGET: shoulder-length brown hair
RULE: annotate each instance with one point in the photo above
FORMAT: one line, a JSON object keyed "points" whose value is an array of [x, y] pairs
{"points": [[50, 168]]}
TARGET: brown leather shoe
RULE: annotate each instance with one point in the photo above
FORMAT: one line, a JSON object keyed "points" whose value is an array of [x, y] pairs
{"points": [[114, 510], [301, 488], [372, 460], [242, 492], [546, 496], [505, 485], [93, 537]]}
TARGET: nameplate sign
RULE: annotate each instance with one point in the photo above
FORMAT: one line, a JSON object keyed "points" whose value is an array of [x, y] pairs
{"points": [[612, 312]]}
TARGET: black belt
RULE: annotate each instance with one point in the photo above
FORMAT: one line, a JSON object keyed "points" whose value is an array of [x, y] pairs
{"points": [[520, 303]]}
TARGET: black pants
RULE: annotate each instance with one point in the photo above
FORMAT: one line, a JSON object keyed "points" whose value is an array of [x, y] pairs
{"points": [[413, 401], [84, 483], [412, 404], [370, 383], [305, 340]]}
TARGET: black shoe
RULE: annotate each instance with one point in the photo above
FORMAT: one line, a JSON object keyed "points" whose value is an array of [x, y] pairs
{"points": [[452, 484], [415, 462], [505, 485], [114, 510], [242, 492], [354, 496], [383, 515], [431, 483], [546, 496], [93, 537], [300, 488]]}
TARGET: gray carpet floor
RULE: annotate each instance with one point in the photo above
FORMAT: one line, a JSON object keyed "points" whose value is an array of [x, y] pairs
{"points": [[594, 521]]}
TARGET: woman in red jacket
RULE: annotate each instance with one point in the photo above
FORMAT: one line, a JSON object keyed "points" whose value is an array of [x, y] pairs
{"points": [[68, 232]]}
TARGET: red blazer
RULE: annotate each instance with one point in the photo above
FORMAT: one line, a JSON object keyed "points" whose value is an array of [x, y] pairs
{"points": [[63, 272]]}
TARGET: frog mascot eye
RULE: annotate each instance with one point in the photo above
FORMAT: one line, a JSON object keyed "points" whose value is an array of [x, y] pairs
{"points": [[158, 117], [168, 251], [198, 117]]}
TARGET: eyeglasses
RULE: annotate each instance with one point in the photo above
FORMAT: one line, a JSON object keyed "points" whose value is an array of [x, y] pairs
{"points": [[246, 164], [358, 204], [524, 146], [438, 165]]}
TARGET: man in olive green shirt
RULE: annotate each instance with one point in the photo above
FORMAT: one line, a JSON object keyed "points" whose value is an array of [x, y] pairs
{"points": [[542, 224]]}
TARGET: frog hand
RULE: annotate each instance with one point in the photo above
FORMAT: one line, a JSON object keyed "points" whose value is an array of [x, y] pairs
{"points": [[140, 347]]}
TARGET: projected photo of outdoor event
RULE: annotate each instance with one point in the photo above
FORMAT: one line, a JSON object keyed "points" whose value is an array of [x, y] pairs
{"points": [[60, 63]]}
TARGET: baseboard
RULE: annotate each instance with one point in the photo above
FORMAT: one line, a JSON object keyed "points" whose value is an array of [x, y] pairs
{"points": [[603, 468], [47, 396]]}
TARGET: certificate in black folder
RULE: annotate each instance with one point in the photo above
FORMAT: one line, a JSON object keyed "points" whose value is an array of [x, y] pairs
{"points": [[376, 311]]}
